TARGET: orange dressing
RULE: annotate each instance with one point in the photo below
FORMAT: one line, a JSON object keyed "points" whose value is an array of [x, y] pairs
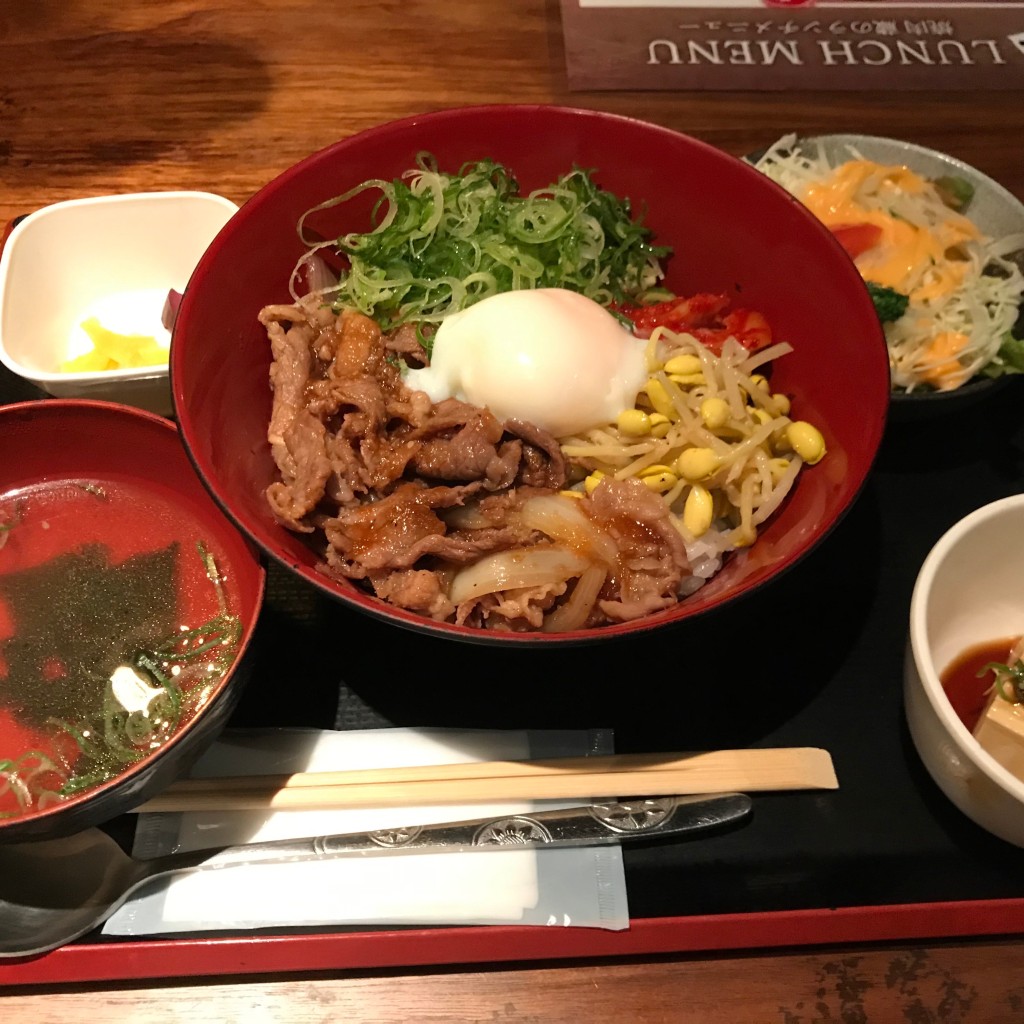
{"points": [[908, 258], [943, 369]]}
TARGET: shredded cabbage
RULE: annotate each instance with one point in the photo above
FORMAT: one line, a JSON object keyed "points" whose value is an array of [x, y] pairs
{"points": [[963, 302], [441, 242]]}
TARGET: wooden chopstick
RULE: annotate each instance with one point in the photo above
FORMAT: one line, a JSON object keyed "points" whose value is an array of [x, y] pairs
{"points": [[617, 775]]}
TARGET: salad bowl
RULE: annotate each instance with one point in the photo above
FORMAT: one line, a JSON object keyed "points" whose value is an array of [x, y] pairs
{"points": [[996, 212]]}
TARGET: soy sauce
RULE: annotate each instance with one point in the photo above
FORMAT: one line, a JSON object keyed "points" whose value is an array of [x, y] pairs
{"points": [[966, 689]]}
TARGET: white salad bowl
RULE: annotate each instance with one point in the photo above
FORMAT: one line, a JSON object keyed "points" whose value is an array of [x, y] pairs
{"points": [[968, 591], [994, 209]]}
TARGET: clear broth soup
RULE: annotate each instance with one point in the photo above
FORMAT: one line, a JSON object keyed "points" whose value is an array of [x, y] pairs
{"points": [[118, 619]]}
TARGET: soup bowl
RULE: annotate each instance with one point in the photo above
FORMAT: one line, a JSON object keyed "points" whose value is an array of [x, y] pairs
{"points": [[967, 593], [127, 606], [732, 231]]}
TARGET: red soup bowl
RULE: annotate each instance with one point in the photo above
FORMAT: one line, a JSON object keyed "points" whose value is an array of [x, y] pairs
{"points": [[127, 606], [732, 232]]}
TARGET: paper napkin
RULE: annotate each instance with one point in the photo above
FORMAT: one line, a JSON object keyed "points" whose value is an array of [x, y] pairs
{"points": [[583, 886]]}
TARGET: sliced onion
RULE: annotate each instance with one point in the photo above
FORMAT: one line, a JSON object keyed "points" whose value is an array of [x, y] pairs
{"points": [[563, 520], [314, 276], [574, 612], [1008, 245], [170, 311], [466, 517], [511, 570]]}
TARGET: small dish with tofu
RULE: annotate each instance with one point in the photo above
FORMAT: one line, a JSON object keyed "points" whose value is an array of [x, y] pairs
{"points": [[964, 674]]}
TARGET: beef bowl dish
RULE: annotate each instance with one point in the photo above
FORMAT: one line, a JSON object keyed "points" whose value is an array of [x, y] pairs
{"points": [[523, 374], [128, 601]]}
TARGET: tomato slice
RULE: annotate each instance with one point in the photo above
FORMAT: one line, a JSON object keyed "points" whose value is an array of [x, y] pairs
{"points": [[857, 238], [701, 316], [678, 314]]}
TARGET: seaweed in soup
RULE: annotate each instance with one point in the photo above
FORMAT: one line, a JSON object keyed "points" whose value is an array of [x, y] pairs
{"points": [[102, 666], [76, 618]]}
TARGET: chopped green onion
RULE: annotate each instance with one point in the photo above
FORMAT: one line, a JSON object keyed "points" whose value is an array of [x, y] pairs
{"points": [[1009, 679], [1009, 359], [441, 242]]}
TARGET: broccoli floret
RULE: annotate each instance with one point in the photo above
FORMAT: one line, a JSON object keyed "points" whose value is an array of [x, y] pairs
{"points": [[889, 304]]}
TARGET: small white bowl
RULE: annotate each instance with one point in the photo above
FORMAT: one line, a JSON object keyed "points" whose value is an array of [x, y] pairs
{"points": [[116, 257], [970, 590]]}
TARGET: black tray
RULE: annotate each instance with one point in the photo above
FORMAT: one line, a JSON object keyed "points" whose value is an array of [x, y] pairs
{"points": [[815, 659]]}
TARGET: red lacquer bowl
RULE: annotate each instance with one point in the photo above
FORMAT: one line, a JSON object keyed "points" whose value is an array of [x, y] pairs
{"points": [[118, 478], [732, 231]]}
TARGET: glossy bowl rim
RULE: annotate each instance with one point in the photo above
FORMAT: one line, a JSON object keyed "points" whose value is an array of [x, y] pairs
{"points": [[403, 618]]}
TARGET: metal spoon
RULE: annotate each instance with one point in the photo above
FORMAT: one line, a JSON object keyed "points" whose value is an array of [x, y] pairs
{"points": [[54, 890]]}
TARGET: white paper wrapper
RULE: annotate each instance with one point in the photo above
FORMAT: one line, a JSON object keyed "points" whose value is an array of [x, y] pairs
{"points": [[584, 887]]}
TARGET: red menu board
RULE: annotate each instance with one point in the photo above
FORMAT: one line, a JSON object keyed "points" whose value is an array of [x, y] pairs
{"points": [[793, 44]]}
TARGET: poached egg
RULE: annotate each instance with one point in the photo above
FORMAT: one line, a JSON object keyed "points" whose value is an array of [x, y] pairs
{"points": [[549, 356]]}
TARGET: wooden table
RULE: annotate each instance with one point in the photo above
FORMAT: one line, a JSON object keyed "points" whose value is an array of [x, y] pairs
{"points": [[98, 96], [976, 983]]}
